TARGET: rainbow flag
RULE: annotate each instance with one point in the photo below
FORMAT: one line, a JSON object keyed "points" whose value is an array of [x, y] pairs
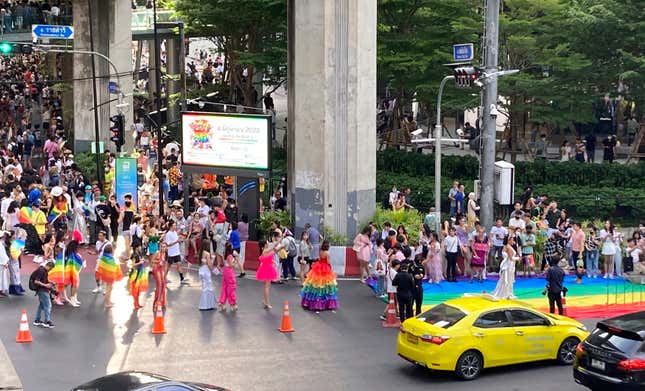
{"points": [[138, 279], [74, 263], [593, 298], [109, 270], [16, 248], [25, 215], [59, 274], [55, 212]]}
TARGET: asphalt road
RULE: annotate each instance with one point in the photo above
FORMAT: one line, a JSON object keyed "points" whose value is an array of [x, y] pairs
{"points": [[345, 350]]}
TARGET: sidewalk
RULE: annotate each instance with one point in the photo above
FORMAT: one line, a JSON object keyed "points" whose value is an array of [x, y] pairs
{"points": [[8, 377]]}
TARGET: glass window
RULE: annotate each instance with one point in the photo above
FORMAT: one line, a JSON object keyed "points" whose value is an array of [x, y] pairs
{"points": [[442, 315], [492, 319], [173, 387], [527, 318]]}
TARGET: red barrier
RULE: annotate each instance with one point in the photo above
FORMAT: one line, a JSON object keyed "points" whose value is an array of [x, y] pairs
{"points": [[251, 255], [352, 266]]}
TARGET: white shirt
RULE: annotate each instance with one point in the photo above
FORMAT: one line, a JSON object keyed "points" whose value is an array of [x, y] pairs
{"points": [[516, 223], [498, 234], [171, 236], [390, 277], [451, 244], [4, 206]]}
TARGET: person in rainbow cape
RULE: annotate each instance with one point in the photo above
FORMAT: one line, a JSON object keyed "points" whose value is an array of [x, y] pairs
{"points": [[67, 267], [57, 216], [108, 271]]}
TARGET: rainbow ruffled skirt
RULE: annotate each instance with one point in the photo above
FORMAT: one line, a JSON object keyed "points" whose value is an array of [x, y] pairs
{"points": [[109, 271], [320, 291]]}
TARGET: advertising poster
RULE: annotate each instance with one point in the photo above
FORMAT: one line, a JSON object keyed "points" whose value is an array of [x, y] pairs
{"points": [[225, 140], [126, 180]]}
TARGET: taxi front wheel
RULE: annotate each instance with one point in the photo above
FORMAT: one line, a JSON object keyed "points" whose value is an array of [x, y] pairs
{"points": [[469, 365], [567, 351]]}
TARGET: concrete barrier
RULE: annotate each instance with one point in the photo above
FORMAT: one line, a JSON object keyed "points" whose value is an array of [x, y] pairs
{"points": [[9, 379]]}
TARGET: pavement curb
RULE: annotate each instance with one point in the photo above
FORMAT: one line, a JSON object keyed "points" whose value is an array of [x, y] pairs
{"points": [[9, 379]]}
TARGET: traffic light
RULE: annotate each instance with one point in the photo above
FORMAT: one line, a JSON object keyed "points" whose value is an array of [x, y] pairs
{"points": [[117, 130], [7, 48], [466, 76]]}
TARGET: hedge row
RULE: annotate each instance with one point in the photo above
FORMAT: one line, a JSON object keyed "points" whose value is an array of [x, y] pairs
{"points": [[526, 173], [584, 202]]}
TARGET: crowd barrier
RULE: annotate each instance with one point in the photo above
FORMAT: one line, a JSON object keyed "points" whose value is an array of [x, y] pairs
{"points": [[343, 259]]}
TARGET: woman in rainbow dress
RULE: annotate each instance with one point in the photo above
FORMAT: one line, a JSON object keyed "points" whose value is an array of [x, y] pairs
{"points": [[320, 291], [138, 279]]}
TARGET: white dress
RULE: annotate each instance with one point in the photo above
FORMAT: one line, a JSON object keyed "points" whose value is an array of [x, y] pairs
{"points": [[504, 288], [4, 270], [207, 299]]}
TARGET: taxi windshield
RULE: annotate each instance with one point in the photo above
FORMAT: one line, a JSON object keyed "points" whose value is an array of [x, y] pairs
{"points": [[442, 315]]}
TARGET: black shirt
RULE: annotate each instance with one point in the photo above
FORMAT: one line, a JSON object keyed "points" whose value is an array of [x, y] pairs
{"points": [[416, 268], [555, 279], [404, 283], [102, 212], [281, 203], [40, 274]]}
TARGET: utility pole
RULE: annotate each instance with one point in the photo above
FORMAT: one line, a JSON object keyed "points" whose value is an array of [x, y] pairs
{"points": [[488, 134], [99, 169]]}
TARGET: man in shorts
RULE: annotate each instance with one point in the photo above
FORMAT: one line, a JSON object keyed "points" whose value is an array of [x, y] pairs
{"points": [[172, 241]]}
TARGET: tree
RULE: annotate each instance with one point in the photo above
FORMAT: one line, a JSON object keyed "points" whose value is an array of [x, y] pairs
{"points": [[415, 39], [552, 88], [250, 33]]}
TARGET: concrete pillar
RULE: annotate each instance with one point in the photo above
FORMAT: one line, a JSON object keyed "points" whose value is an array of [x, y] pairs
{"points": [[83, 116], [120, 49], [332, 113], [173, 58], [111, 21], [152, 76]]}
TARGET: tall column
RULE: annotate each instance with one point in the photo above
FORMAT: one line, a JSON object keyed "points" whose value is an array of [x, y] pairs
{"points": [[332, 112], [121, 55], [83, 116], [173, 57]]}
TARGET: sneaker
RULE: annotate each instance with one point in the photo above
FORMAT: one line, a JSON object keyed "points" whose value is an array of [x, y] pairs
{"points": [[184, 281], [96, 290], [241, 275], [37, 323], [383, 317], [49, 325]]}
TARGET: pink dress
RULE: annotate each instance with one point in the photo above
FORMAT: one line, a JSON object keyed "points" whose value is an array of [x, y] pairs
{"points": [[229, 284], [435, 266], [266, 271], [480, 248], [363, 247]]}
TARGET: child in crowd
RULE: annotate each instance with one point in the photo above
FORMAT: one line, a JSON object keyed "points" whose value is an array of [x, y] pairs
{"points": [[304, 258], [380, 267]]}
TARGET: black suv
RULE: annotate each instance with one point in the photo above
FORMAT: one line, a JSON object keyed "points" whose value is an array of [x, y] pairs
{"points": [[613, 355]]}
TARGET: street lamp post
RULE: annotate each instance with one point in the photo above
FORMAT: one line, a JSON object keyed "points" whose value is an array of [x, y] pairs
{"points": [[438, 130], [99, 174], [158, 104]]}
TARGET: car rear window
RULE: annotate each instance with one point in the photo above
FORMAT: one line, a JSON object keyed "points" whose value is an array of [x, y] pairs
{"points": [[442, 315], [610, 340]]}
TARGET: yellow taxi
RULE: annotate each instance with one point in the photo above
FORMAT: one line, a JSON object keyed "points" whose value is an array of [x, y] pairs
{"points": [[470, 333]]}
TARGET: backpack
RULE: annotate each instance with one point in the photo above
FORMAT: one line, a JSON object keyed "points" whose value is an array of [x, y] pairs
{"points": [[292, 248], [32, 281]]}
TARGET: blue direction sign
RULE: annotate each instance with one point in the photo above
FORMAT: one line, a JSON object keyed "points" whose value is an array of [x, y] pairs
{"points": [[40, 31], [463, 52], [113, 87]]}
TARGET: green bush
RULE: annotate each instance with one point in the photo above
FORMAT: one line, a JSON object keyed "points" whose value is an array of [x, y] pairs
{"points": [[86, 162], [335, 239], [416, 164], [266, 218], [411, 220]]}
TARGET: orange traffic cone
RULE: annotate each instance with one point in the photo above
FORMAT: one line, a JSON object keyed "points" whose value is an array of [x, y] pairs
{"points": [[24, 335], [158, 326], [390, 319], [286, 326], [564, 305]]}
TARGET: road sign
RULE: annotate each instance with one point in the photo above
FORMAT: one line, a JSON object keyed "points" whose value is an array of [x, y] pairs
{"points": [[463, 52], [113, 88], [46, 31]]}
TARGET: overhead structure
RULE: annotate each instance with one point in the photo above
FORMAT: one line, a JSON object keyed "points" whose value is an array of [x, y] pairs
{"points": [[332, 113]]}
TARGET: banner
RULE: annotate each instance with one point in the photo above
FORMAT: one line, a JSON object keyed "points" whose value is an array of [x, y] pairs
{"points": [[126, 180]]}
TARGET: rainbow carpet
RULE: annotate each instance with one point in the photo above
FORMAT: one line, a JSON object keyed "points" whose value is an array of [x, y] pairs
{"points": [[594, 298]]}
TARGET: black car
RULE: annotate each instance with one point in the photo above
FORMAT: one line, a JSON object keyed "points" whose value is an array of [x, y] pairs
{"points": [[612, 357], [141, 381]]}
